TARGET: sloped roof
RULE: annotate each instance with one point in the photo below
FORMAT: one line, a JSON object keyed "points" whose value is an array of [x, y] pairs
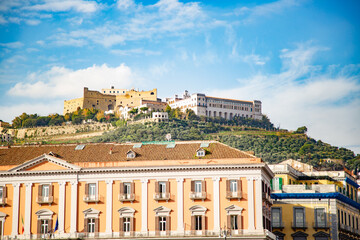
{"points": [[100, 152]]}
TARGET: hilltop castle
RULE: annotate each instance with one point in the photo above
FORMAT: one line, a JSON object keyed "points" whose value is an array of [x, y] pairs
{"points": [[109, 99]]}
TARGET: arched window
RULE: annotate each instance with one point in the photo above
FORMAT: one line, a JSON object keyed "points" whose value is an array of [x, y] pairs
{"points": [[162, 221], [126, 221], [198, 220]]}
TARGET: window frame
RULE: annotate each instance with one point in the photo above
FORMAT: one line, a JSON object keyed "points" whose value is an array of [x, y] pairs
{"points": [[280, 216], [296, 222]]}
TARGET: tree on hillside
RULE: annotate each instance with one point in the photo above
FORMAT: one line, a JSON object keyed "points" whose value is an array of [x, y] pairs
{"points": [[302, 129]]}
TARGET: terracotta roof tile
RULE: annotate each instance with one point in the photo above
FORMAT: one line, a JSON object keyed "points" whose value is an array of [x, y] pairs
{"points": [[100, 152]]}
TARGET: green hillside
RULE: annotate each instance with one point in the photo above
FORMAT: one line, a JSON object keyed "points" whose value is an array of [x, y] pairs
{"points": [[272, 145]]}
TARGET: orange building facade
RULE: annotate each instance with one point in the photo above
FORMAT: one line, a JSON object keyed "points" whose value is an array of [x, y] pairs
{"points": [[158, 190]]}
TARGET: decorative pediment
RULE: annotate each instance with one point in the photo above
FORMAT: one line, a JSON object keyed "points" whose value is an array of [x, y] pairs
{"points": [[198, 210], [2, 215], [321, 234], [233, 210], [45, 162], [162, 211], [91, 213], [126, 212], [44, 214], [280, 234], [299, 234]]}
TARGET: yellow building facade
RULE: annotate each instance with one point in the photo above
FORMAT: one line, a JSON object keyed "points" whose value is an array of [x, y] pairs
{"points": [[158, 190], [107, 101], [316, 205]]}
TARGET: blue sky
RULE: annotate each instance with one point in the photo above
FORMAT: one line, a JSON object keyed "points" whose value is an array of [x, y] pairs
{"points": [[300, 58]]}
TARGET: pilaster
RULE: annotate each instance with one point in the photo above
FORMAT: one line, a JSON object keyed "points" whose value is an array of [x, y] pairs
{"points": [[15, 219], [61, 213], [27, 209], [144, 207], [180, 205], [74, 199], [109, 193], [258, 204], [216, 199], [251, 205]]}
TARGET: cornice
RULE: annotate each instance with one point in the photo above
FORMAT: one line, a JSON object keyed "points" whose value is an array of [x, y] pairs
{"points": [[138, 169]]}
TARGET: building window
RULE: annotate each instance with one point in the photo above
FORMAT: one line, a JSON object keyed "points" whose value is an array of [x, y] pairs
{"points": [[92, 190], [127, 191], [320, 217], [45, 191], [162, 187], [162, 223], [276, 183], [2, 195], [299, 217], [233, 186], [276, 218], [126, 225], [91, 225], [198, 186], [198, 223], [234, 222], [44, 226], [45, 194]]}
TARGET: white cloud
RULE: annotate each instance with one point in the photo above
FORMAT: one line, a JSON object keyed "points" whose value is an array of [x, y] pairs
{"points": [[65, 5], [251, 14], [12, 45], [125, 4], [326, 101], [166, 17], [60, 82], [135, 51]]}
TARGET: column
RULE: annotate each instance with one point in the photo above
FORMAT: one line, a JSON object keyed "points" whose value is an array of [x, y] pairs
{"points": [[144, 208], [61, 213], [258, 204], [109, 198], [180, 205], [74, 199], [250, 181], [27, 209], [216, 194], [15, 220]]}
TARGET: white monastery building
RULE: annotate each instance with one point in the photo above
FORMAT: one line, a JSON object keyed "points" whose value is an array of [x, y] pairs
{"points": [[208, 106]]}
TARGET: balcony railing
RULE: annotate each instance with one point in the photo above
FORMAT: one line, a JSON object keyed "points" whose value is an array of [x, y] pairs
{"points": [[2, 201], [232, 195], [161, 196], [126, 197], [91, 198], [277, 225], [45, 200], [197, 195], [321, 225], [299, 225]]}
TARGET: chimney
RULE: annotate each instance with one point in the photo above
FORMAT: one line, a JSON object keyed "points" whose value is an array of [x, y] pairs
{"points": [[110, 151]]}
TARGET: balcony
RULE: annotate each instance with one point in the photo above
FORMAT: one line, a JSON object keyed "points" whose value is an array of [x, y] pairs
{"points": [[45, 200], [126, 197], [91, 198], [198, 195], [233, 195], [278, 225], [3, 201], [321, 225], [161, 196], [299, 225]]}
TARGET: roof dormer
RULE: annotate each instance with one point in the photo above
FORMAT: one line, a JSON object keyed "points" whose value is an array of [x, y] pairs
{"points": [[130, 154], [200, 152]]}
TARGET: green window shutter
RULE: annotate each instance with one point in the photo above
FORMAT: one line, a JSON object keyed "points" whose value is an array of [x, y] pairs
{"points": [[271, 185], [280, 183]]}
